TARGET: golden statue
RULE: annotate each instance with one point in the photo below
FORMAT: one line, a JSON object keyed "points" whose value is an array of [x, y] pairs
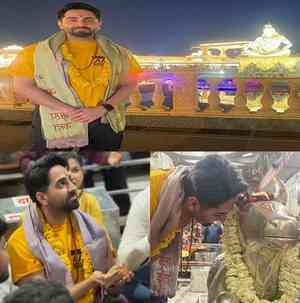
{"points": [[270, 43]]}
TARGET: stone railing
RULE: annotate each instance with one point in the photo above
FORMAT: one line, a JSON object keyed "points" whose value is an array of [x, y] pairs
{"points": [[8, 99], [177, 92], [261, 112], [260, 97]]}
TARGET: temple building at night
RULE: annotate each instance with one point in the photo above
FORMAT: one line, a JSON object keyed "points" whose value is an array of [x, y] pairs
{"points": [[231, 85]]}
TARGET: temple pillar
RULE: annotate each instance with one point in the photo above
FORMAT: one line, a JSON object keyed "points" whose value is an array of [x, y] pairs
{"points": [[185, 91], [267, 100], [294, 100], [213, 98], [240, 99], [135, 101], [158, 96]]}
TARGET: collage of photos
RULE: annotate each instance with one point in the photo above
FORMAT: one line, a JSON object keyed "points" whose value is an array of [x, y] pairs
{"points": [[149, 154], [198, 227]]}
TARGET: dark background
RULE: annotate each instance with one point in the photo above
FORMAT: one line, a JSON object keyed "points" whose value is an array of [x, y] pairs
{"points": [[158, 27]]}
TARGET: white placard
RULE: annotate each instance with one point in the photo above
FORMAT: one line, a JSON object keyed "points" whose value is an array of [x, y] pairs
{"points": [[12, 218], [21, 201]]}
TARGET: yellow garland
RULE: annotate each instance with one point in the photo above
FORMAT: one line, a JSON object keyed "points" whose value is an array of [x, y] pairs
{"points": [[238, 279], [164, 243], [58, 246]]}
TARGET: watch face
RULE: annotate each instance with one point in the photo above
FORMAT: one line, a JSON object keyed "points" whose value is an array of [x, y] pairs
{"points": [[108, 107]]}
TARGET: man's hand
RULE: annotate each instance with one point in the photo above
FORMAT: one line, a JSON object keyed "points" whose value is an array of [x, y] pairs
{"points": [[88, 114], [116, 276], [98, 278], [114, 158], [69, 110], [122, 272]]}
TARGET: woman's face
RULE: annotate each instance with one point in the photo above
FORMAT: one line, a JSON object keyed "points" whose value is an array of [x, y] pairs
{"points": [[76, 173]]}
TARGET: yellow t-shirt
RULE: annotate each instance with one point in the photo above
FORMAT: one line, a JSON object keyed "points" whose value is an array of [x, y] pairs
{"points": [[87, 79], [157, 179], [66, 238], [23, 263]]}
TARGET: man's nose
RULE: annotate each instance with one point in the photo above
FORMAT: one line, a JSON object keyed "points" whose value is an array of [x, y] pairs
{"points": [[72, 186], [81, 23]]}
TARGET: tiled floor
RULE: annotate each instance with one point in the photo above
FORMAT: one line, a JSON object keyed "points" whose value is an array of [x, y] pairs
{"points": [[185, 295]]}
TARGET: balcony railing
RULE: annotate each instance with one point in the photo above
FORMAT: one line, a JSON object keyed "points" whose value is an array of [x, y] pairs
{"points": [[182, 108], [8, 99], [178, 93]]}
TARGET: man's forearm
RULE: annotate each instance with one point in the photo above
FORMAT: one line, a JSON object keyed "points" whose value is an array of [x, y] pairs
{"points": [[40, 97], [133, 253], [80, 289], [122, 94]]}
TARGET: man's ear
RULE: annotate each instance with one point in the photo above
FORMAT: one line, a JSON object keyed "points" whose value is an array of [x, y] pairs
{"points": [[100, 24], [59, 24], [42, 198]]}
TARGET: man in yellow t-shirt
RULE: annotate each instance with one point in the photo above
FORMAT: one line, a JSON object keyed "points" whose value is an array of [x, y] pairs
{"points": [[89, 72], [58, 242], [204, 192]]}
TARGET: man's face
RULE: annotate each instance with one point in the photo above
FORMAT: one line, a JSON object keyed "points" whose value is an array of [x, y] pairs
{"points": [[79, 23], [206, 215], [61, 194], [75, 172]]}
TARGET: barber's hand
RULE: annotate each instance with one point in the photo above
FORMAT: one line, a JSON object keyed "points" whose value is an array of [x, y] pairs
{"points": [[88, 114]]}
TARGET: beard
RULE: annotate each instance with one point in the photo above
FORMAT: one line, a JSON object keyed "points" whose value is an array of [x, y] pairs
{"points": [[71, 203], [82, 32]]}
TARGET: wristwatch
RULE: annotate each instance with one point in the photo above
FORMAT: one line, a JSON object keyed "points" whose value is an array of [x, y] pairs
{"points": [[108, 107]]}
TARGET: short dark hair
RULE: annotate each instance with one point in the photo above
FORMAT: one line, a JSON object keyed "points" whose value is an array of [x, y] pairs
{"points": [[214, 180], [40, 291], [37, 177], [78, 5]]}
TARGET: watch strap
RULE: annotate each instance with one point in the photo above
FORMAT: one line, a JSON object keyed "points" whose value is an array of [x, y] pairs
{"points": [[108, 107]]}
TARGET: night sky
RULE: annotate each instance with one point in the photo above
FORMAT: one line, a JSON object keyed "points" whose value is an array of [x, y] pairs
{"points": [[158, 27]]}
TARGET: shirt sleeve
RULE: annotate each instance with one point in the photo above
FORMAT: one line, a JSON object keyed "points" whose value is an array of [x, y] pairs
{"points": [[23, 64], [134, 67], [22, 262], [134, 248]]}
